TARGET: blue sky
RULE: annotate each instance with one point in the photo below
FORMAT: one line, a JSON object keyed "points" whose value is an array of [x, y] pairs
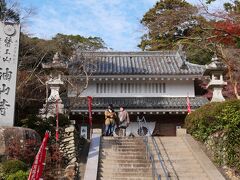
{"points": [[117, 22]]}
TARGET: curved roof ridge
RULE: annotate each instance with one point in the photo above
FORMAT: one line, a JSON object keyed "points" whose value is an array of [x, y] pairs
{"points": [[193, 64], [131, 53]]}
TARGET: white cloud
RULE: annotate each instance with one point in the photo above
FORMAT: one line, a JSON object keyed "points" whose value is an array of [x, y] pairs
{"points": [[116, 21]]}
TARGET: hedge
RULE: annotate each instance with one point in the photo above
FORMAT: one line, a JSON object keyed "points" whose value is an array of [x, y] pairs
{"points": [[218, 117]]}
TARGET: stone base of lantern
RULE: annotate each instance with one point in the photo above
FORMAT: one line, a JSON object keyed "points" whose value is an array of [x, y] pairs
{"points": [[49, 110], [217, 95]]}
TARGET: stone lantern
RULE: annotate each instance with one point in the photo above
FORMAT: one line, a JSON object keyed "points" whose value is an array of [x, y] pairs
{"points": [[54, 82], [216, 70]]}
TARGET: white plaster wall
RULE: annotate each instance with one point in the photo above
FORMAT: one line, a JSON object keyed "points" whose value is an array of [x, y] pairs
{"points": [[174, 88]]}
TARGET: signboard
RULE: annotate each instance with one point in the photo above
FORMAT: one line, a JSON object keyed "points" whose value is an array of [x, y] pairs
{"points": [[83, 132], [9, 44]]}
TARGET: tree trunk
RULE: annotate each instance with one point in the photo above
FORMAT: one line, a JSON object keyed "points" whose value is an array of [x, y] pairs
{"points": [[235, 87]]}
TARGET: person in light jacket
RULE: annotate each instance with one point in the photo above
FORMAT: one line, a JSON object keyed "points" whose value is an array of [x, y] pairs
{"points": [[124, 119], [110, 120]]}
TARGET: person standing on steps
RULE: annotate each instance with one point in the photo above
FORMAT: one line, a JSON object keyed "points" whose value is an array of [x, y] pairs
{"points": [[110, 120], [124, 120]]}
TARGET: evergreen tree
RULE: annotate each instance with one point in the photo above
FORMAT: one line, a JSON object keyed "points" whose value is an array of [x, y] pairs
{"points": [[8, 14], [171, 22]]}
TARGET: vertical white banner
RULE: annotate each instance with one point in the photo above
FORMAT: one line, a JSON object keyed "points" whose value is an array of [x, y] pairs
{"points": [[9, 45], [84, 132]]}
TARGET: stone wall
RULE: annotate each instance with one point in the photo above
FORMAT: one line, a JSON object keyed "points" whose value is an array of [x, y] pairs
{"points": [[217, 151], [70, 147]]}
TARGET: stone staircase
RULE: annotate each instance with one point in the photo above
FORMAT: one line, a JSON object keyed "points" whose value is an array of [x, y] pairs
{"points": [[123, 158], [179, 160]]}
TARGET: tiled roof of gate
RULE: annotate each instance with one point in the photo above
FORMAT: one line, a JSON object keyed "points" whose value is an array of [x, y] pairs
{"points": [[141, 63], [140, 102]]}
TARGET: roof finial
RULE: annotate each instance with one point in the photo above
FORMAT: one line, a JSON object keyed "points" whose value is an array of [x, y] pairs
{"points": [[181, 52], [180, 48], [215, 57], [182, 56]]}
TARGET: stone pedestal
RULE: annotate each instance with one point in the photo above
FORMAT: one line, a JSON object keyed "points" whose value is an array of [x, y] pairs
{"points": [[217, 95]]}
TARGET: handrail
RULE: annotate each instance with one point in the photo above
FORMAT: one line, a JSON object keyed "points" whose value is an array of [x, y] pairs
{"points": [[140, 124], [151, 157], [150, 154], [148, 149], [166, 173]]}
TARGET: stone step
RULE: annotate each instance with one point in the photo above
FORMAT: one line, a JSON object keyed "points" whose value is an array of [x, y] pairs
{"points": [[172, 155], [173, 148], [119, 141], [125, 170], [176, 157], [124, 155], [188, 174], [126, 178], [104, 145], [139, 148], [181, 170], [200, 177], [124, 158], [122, 146], [122, 140], [175, 162], [105, 154], [124, 161], [183, 166], [125, 165], [170, 146], [168, 139], [120, 151], [132, 158], [125, 174]]}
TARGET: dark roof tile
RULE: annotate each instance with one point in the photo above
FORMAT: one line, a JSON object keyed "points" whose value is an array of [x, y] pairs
{"points": [[177, 103], [142, 63]]}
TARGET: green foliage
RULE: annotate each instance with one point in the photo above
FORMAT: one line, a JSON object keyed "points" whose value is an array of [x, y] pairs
{"points": [[13, 166], [218, 117], [1, 172], [170, 23], [62, 119], [193, 55], [68, 43], [41, 125], [162, 21], [33, 51], [19, 175]]}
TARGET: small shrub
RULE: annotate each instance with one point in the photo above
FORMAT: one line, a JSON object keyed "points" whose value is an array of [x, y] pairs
{"points": [[12, 166], [19, 175], [41, 125], [23, 151], [62, 120], [1, 172]]}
